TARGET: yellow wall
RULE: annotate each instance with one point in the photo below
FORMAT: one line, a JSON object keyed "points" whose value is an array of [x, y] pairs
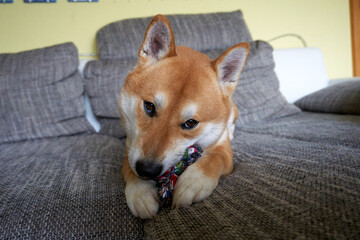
{"points": [[322, 23]]}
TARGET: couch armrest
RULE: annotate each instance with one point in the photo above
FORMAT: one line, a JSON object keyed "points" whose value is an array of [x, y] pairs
{"points": [[342, 98]]}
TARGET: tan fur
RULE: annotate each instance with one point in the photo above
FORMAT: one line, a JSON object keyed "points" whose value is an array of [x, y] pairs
{"points": [[193, 80], [184, 77]]}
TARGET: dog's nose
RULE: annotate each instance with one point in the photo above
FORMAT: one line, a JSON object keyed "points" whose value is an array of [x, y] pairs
{"points": [[148, 170]]}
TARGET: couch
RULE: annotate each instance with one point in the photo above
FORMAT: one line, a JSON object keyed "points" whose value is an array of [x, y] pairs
{"points": [[296, 166]]}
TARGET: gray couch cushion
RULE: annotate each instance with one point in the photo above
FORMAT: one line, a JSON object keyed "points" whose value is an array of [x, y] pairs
{"points": [[103, 82], [201, 32], [340, 98], [112, 127], [294, 178], [41, 94], [65, 188]]}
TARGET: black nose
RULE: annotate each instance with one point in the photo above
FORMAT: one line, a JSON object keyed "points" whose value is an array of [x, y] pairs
{"points": [[147, 169]]}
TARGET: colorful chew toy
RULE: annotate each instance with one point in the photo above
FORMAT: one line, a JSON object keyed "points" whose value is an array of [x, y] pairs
{"points": [[166, 182]]}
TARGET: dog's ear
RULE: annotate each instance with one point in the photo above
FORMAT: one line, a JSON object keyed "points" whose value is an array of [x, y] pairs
{"points": [[230, 64], [159, 42]]}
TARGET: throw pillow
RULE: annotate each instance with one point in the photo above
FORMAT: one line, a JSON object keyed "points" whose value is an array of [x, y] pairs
{"points": [[41, 94]]}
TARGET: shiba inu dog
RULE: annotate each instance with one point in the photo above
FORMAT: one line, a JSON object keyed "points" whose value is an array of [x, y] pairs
{"points": [[176, 97]]}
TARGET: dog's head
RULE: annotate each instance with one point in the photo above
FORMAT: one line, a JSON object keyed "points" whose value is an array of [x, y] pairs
{"points": [[175, 97]]}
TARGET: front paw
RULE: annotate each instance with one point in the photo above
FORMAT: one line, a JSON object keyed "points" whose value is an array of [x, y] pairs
{"points": [[142, 199], [192, 186]]}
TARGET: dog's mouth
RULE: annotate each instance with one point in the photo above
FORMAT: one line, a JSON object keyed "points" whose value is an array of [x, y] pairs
{"points": [[143, 171], [146, 178]]}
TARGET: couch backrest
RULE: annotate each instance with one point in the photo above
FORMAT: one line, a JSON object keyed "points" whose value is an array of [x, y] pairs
{"points": [[201, 32]]}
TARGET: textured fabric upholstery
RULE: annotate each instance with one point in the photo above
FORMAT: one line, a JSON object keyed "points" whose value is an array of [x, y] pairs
{"points": [[340, 98], [112, 127], [65, 188], [41, 94], [201, 32], [103, 82], [294, 178]]}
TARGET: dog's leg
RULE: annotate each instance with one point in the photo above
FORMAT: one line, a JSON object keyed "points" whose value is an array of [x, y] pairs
{"points": [[200, 179], [141, 195]]}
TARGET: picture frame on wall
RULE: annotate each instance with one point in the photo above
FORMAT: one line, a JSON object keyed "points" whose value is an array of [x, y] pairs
{"points": [[39, 1]]}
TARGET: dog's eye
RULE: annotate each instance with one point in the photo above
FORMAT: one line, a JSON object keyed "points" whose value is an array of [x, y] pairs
{"points": [[189, 124], [149, 108]]}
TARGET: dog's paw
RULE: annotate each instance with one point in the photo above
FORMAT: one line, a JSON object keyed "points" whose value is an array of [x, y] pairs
{"points": [[142, 199], [192, 186]]}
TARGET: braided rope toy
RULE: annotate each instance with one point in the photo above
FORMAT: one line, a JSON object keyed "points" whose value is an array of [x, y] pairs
{"points": [[166, 182]]}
